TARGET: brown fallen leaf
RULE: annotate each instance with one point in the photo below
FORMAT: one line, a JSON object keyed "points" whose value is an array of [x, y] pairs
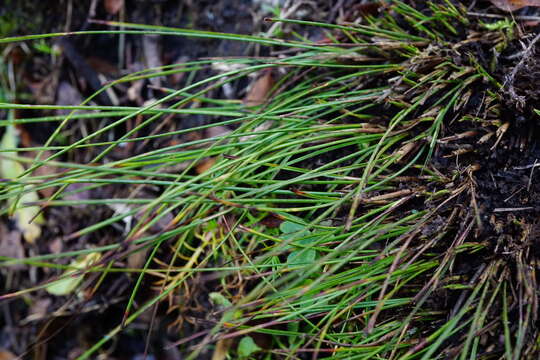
{"points": [[7, 355], [271, 221], [102, 66], [511, 5], [221, 350], [137, 256], [113, 6], [405, 150], [258, 92], [204, 165]]}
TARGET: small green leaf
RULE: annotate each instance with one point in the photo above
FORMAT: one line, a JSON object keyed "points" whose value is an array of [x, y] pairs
{"points": [[327, 223], [219, 300], [308, 239], [64, 286], [296, 235], [290, 227], [68, 283], [301, 257], [247, 346], [223, 303]]}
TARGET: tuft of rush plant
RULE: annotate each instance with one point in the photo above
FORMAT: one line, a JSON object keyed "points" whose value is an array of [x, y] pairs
{"points": [[322, 225]]}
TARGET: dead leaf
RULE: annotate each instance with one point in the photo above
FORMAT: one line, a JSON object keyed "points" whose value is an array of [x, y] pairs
{"points": [[531, 24], [271, 221], [511, 5], [113, 6], [404, 150], [216, 131], [176, 77], [11, 246], [7, 355], [29, 218], [258, 92], [16, 55], [222, 349], [205, 165], [123, 209], [25, 139], [56, 245], [135, 90], [151, 48], [137, 256], [102, 66]]}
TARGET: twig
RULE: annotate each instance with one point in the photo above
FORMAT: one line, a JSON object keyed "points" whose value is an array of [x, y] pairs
{"points": [[531, 175], [513, 209], [497, 16], [527, 166]]}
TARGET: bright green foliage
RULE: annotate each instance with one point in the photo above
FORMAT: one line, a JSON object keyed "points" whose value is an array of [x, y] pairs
{"points": [[247, 346]]}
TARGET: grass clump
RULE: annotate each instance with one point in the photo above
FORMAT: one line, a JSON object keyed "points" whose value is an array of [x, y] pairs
{"points": [[340, 218]]}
